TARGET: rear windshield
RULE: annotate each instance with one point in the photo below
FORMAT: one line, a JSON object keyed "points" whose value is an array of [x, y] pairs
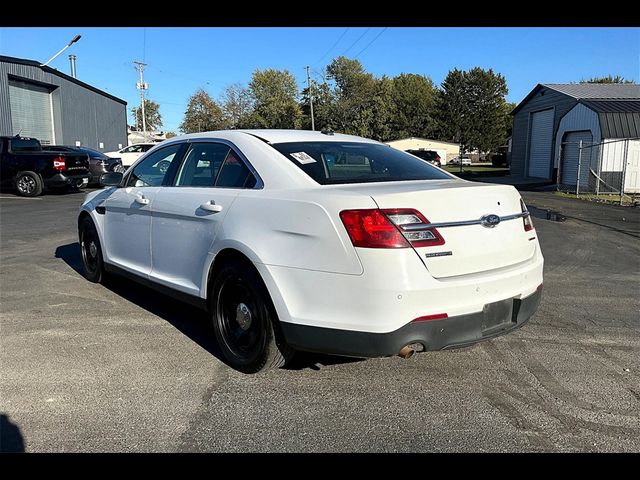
{"points": [[330, 163], [25, 145]]}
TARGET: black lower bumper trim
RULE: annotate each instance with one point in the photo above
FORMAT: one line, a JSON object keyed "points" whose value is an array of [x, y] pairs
{"points": [[443, 334]]}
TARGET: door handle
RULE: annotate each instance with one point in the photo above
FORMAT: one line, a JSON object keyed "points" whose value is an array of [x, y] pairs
{"points": [[211, 206], [142, 200]]}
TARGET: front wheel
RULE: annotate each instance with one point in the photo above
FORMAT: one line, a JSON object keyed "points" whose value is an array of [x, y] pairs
{"points": [[92, 261], [245, 321]]}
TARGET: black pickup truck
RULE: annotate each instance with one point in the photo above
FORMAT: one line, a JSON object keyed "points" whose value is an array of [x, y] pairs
{"points": [[29, 169]]}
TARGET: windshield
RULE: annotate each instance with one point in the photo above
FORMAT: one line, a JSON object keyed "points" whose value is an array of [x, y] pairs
{"points": [[331, 163]]}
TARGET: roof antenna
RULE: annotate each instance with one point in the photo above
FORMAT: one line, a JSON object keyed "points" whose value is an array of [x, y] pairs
{"points": [[327, 132], [18, 134]]}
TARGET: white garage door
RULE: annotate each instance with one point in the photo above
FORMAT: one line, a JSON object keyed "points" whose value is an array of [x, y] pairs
{"points": [[540, 136], [571, 155], [31, 111]]}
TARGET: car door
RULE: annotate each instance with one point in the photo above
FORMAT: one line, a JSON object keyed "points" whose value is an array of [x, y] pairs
{"points": [[128, 212], [188, 215]]}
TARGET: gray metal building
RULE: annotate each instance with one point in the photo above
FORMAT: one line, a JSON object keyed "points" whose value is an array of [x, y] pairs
{"points": [[555, 114], [46, 104]]}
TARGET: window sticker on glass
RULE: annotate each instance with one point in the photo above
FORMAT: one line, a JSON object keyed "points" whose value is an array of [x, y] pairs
{"points": [[303, 157]]}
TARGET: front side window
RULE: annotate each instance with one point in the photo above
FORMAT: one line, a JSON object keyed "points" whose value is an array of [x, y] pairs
{"points": [[152, 170], [331, 163]]}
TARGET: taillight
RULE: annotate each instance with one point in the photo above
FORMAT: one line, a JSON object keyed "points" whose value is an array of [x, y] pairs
{"points": [[389, 228], [371, 228], [59, 164], [414, 227], [526, 219]]}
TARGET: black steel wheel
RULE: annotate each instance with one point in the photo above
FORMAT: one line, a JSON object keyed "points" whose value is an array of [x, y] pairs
{"points": [[92, 261], [245, 321], [28, 184]]}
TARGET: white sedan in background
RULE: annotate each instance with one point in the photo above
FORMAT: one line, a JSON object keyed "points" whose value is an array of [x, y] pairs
{"points": [[131, 153], [298, 240]]}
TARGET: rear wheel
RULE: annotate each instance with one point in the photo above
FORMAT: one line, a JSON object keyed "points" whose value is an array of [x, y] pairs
{"points": [[91, 251], [245, 321], [28, 184]]}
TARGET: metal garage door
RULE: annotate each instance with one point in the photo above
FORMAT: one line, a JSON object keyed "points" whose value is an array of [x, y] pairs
{"points": [[540, 136], [571, 155], [31, 111]]}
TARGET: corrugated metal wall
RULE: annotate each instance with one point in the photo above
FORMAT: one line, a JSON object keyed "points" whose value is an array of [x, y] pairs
{"points": [[521, 121], [578, 118], [80, 114]]}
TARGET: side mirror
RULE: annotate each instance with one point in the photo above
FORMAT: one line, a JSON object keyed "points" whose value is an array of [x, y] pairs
{"points": [[111, 179]]}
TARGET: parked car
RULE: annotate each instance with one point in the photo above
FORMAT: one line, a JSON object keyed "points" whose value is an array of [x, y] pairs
{"points": [[131, 153], [466, 161], [298, 240], [430, 156], [99, 163], [29, 169], [499, 159]]}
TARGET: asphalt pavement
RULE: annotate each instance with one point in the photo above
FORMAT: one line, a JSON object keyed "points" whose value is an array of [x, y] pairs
{"points": [[91, 368]]}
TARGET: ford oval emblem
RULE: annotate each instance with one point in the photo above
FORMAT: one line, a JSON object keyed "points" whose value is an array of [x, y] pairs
{"points": [[490, 221]]}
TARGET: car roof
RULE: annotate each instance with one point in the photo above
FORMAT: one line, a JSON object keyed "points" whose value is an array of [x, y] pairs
{"points": [[279, 136]]}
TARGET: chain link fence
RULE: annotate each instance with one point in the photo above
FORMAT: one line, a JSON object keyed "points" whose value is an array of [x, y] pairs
{"points": [[607, 168]]}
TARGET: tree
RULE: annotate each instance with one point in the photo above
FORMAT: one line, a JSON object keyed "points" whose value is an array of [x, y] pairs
{"points": [[170, 135], [414, 100], [203, 114], [607, 79], [323, 105], [362, 104], [473, 109], [274, 93], [152, 116], [237, 104]]}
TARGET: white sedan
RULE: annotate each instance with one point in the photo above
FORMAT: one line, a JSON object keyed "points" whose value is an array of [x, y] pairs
{"points": [[131, 153], [315, 241]]}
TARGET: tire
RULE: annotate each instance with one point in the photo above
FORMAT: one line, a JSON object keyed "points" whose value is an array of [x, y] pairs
{"points": [[245, 321], [28, 184], [92, 262]]}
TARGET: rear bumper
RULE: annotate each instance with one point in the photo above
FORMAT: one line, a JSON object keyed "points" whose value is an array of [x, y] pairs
{"points": [[60, 180], [451, 332]]}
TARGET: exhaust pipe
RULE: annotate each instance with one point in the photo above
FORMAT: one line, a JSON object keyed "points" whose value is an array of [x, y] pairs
{"points": [[406, 352]]}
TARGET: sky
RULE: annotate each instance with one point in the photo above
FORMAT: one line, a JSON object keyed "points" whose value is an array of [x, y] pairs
{"points": [[181, 60]]}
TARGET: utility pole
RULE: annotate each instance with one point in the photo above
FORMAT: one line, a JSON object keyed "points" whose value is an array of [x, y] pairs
{"points": [[313, 123], [142, 86]]}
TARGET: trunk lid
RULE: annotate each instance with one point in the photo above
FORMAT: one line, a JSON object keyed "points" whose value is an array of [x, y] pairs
{"points": [[473, 248]]}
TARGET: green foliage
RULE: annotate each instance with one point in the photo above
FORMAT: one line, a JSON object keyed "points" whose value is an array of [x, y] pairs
{"points": [[473, 109], [152, 115], [237, 104], [607, 79], [414, 101], [274, 95], [203, 114]]}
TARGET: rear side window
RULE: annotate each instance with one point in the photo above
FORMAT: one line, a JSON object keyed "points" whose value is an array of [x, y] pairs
{"points": [[234, 173], [331, 163], [25, 145], [201, 165]]}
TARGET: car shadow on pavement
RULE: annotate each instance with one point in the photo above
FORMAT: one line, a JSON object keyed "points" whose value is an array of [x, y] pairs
{"points": [[11, 440], [189, 320]]}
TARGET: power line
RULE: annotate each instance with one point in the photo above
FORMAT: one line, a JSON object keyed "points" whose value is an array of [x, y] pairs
{"points": [[369, 44], [352, 45], [332, 46]]}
